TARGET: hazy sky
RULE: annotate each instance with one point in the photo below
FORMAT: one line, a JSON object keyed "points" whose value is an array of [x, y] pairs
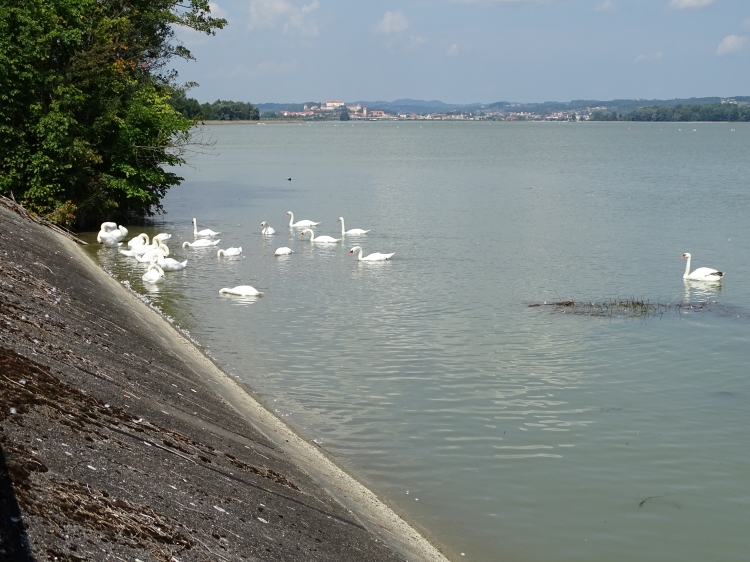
{"points": [[463, 51]]}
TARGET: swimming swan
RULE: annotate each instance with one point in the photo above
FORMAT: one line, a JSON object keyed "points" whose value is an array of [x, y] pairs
{"points": [[265, 229], [299, 224], [377, 256], [140, 240], [241, 291], [283, 251], [111, 237], [146, 257], [140, 250], [702, 273], [352, 231], [229, 252], [205, 232], [200, 243], [154, 274], [167, 264], [163, 236], [322, 239]]}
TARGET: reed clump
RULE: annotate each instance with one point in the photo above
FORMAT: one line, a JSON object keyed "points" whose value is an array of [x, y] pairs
{"points": [[627, 308]]}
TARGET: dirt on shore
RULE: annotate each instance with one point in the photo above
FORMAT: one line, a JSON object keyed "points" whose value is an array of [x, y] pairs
{"points": [[120, 441]]}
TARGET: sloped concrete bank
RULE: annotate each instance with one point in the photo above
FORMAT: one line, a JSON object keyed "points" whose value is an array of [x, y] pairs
{"points": [[120, 440]]}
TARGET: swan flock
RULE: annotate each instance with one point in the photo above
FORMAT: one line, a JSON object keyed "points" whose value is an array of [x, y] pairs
{"points": [[155, 251]]}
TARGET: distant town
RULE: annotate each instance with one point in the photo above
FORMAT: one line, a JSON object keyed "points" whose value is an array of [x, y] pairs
{"points": [[736, 108], [339, 110]]}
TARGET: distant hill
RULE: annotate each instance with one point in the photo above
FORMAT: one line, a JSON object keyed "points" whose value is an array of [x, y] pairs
{"points": [[418, 106], [422, 107], [619, 105]]}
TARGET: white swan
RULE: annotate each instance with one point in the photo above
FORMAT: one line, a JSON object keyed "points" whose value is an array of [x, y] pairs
{"points": [[140, 240], [109, 239], [229, 252], [299, 224], [283, 251], [201, 233], [154, 274], [163, 236], [265, 229], [702, 273], [111, 236], [146, 257], [322, 239], [352, 231], [241, 291], [140, 250], [377, 256], [167, 264], [200, 243], [108, 226]]}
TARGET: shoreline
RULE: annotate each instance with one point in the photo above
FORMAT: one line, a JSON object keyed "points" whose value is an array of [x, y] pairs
{"points": [[368, 524]]}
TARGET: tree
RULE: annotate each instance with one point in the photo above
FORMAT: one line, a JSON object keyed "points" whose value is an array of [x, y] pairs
{"points": [[86, 127], [344, 115]]}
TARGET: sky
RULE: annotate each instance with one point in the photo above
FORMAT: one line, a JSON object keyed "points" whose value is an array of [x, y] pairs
{"points": [[467, 51]]}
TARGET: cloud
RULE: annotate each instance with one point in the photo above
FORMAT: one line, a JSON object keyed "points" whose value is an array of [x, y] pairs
{"points": [[685, 4], [392, 22], [503, 1], [453, 50], [275, 67], [217, 11], [606, 6], [648, 57], [293, 19], [730, 44]]}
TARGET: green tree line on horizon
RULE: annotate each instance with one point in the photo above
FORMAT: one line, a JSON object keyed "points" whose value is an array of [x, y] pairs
{"points": [[87, 131], [680, 113], [220, 110]]}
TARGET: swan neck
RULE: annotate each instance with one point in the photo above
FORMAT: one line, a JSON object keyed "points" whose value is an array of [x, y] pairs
{"points": [[291, 218], [343, 230], [687, 268], [312, 234], [195, 227]]}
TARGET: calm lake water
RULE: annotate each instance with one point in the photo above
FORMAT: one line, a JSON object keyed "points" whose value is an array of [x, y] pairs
{"points": [[503, 431]]}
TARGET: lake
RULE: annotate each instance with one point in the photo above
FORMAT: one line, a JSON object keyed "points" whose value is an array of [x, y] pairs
{"points": [[503, 431]]}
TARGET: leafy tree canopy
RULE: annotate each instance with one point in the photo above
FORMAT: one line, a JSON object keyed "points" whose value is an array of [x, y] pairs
{"points": [[86, 127], [709, 112], [220, 110]]}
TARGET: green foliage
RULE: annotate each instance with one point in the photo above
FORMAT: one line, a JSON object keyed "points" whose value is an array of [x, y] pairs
{"points": [[708, 112], [86, 125], [604, 116], [220, 110], [344, 115]]}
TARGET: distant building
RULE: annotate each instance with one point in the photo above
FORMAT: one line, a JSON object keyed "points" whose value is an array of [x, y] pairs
{"points": [[334, 104]]}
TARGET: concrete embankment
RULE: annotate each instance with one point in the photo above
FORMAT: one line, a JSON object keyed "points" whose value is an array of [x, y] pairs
{"points": [[121, 441]]}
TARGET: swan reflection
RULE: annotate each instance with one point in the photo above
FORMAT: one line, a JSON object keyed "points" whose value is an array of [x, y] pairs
{"points": [[700, 291], [243, 301]]}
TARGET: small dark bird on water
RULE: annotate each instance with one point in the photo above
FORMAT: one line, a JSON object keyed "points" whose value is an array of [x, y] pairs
{"points": [[289, 179]]}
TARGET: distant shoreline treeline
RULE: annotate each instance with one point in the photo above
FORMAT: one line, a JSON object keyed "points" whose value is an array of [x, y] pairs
{"points": [[679, 113], [220, 110]]}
